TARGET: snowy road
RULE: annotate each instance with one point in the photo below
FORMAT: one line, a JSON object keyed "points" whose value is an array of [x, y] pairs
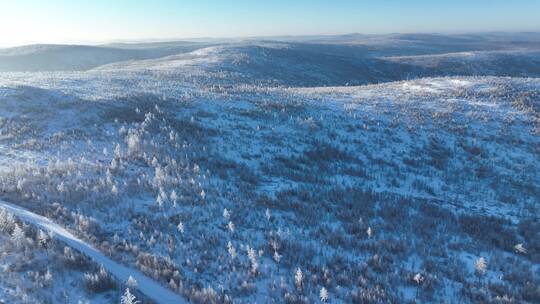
{"points": [[146, 285]]}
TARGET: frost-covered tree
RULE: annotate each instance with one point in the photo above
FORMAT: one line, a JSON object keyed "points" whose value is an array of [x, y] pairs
{"points": [[418, 278], [180, 227], [43, 239], [520, 249], [323, 295], [133, 142], [203, 194], [131, 282], [117, 151], [252, 255], [276, 257], [231, 250], [155, 162], [480, 267], [47, 278], [7, 221], [298, 278], [172, 284], [226, 214], [61, 187], [160, 200], [231, 227], [114, 190], [174, 197], [114, 165], [267, 214], [18, 237], [128, 298]]}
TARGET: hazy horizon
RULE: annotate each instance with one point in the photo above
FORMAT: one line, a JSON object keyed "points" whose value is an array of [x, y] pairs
{"points": [[76, 22], [244, 38]]}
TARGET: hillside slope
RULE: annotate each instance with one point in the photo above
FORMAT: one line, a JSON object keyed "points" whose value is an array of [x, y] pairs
{"points": [[78, 57], [228, 193]]}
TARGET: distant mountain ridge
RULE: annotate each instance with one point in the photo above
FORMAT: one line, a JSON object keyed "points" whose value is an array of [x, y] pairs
{"points": [[352, 59]]}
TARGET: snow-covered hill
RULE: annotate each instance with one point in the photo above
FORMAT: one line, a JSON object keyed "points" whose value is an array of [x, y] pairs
{"points": [[227, 176], [316, 61], [521, 63], [445, 167], [81, 57]]}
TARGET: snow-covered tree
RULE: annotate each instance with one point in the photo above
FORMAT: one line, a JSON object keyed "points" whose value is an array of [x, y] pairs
{"points": [[276, 257], [128, 298], [131, 282], [18, 237], [172, 284], [160, 200], [298, 278], [174, 197], [418, 278], [323, 295], [480, 267], [43, 239], [231, 226], [226, 214], [133, 142], [7, 221], [252, 255], [117, 152], [47, 278], [520, 249], [203, 194], [61, 187], [114, 190], [231, 250], [155, 162], [180, 227]]}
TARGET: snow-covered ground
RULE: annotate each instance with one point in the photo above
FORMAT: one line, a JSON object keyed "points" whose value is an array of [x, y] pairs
{"points": [[146, 285], [216, 176]]}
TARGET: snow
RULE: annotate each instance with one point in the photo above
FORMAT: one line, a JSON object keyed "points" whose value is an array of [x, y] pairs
{"points": [[441, 169]]}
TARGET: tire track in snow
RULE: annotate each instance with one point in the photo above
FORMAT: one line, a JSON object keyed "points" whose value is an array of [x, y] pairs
{"points": [[146, 285]]}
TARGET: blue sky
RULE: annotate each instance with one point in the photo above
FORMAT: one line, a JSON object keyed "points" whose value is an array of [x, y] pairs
{"points": [[77, 21]]}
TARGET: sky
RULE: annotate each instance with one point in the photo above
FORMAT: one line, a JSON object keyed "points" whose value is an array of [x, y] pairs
{"points": [[99, 21]]}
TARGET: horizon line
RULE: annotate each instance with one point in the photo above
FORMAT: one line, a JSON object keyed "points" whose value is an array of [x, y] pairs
{"points": [[73, 42]]}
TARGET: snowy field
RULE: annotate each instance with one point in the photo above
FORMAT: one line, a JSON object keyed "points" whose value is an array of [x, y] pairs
{"points": [[380, 169]]}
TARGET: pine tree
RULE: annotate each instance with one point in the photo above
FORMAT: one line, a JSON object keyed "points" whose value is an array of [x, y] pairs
{"points": [[7, 221], [180, 227], [131, 282], [418, 278], [47, 278], [480, 268], [231, 226], [252, 255], [231, 250], [520, 249], [226, 214], [277, 257], [298, 278], [128, 298], [323, 294], [43, 239], [174, 198], [18, 237]]}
